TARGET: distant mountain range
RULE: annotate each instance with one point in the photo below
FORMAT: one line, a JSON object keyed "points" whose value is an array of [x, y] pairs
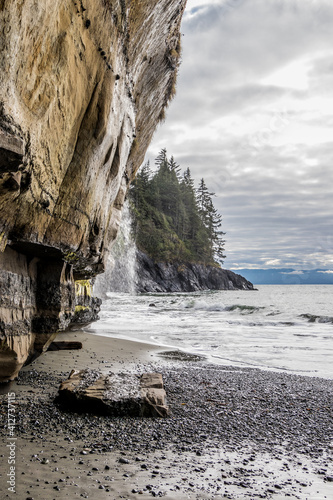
{"points": [[287, 276]]}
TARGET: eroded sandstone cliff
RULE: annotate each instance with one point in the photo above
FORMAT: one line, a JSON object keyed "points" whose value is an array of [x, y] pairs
{"points": [[83, 86]]}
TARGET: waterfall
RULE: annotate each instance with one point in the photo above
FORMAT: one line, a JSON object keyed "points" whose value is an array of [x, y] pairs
{"points": [[120, 272]]}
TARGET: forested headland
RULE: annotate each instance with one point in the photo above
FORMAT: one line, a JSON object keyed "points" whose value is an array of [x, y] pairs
{"points": [[174, 221]]}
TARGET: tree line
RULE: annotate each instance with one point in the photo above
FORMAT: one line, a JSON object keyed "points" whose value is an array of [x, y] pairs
{"points": [[173, 220]]}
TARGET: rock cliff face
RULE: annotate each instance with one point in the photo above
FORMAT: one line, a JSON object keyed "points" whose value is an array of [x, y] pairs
{"points": [[82, 88], [180, 277]]}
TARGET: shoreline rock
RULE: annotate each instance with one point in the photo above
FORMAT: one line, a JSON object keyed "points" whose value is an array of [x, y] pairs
{"points": [[113, 394], [185, 277]]}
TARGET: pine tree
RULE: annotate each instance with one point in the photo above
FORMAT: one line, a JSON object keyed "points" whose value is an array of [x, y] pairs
{"points": [[174, 167], [161, 160], [212, 221], [173, 220], [192, 221]]}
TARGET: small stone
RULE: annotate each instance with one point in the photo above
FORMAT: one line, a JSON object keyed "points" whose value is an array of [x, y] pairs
{"points": [[123, 460]]}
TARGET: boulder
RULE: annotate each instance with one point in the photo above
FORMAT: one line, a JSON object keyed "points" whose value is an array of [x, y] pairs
{"points": [[114, 394]]}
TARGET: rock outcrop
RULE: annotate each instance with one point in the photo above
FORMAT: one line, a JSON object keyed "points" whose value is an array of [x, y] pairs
{"points": [[83, 86], [87, 307], [185, 277]]}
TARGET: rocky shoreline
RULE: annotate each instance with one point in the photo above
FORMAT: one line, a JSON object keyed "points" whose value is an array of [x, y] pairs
{"points": [[232, 433], [169, 277]]}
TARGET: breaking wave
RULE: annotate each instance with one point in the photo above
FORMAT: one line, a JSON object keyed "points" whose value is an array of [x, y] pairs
{"points": [[312, 318], [204, 306], [243, 309]]}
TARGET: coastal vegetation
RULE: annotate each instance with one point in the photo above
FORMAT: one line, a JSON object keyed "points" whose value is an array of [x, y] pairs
{"points": [[173, 221]]}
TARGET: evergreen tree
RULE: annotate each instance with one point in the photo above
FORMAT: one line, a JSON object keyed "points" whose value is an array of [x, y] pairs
{"points": [[192, 222], [161, 160], [172, 220], [174, 167], [212, 221]]}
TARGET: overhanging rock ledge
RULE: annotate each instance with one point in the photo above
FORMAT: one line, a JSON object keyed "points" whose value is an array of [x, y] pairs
{"points": [[83, 86]]}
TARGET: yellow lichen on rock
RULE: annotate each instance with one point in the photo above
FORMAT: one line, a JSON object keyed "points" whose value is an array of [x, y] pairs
{"points": [[79, 309], [83, 288]]}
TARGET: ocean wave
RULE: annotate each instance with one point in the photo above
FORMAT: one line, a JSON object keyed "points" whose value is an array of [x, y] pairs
{"points": [[243, 309], [312, 318], [272, 323], [201, 305]]}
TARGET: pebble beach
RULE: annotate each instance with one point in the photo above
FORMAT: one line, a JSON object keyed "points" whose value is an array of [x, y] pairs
{"points": [[232, 432]]}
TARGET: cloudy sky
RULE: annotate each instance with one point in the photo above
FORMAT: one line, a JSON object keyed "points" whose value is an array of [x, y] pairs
{"points": [[253, 115]]}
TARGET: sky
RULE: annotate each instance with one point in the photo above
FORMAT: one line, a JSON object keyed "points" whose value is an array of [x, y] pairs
{"points": [[253, 116]]}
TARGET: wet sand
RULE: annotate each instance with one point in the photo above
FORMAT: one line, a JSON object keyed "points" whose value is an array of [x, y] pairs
{"points": [[232, 432]]}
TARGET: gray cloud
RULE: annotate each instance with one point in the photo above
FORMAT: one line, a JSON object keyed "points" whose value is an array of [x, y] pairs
{"points": [[262, 145]]}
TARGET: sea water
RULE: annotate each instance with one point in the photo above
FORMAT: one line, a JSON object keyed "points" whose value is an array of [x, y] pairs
{"points": [[277, 327]]}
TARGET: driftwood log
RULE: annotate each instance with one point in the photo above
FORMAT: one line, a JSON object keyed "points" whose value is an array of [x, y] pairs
{"points": [[65, 346]]}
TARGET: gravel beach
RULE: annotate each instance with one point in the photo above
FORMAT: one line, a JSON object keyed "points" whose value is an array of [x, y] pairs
{"points": [[232, 432]]}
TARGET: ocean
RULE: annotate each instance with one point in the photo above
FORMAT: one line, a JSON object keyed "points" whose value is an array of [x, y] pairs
{"points": [[278, 327]]}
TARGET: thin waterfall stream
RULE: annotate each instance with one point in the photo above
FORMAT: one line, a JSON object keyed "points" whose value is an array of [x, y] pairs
{"points": [[120, 273]]}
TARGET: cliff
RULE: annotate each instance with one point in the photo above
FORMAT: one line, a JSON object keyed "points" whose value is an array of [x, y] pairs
{"points": [[185, 277], [83, 86]]}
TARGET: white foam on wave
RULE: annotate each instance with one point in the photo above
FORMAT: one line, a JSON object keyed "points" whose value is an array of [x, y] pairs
{"points": [[202, 305]]}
